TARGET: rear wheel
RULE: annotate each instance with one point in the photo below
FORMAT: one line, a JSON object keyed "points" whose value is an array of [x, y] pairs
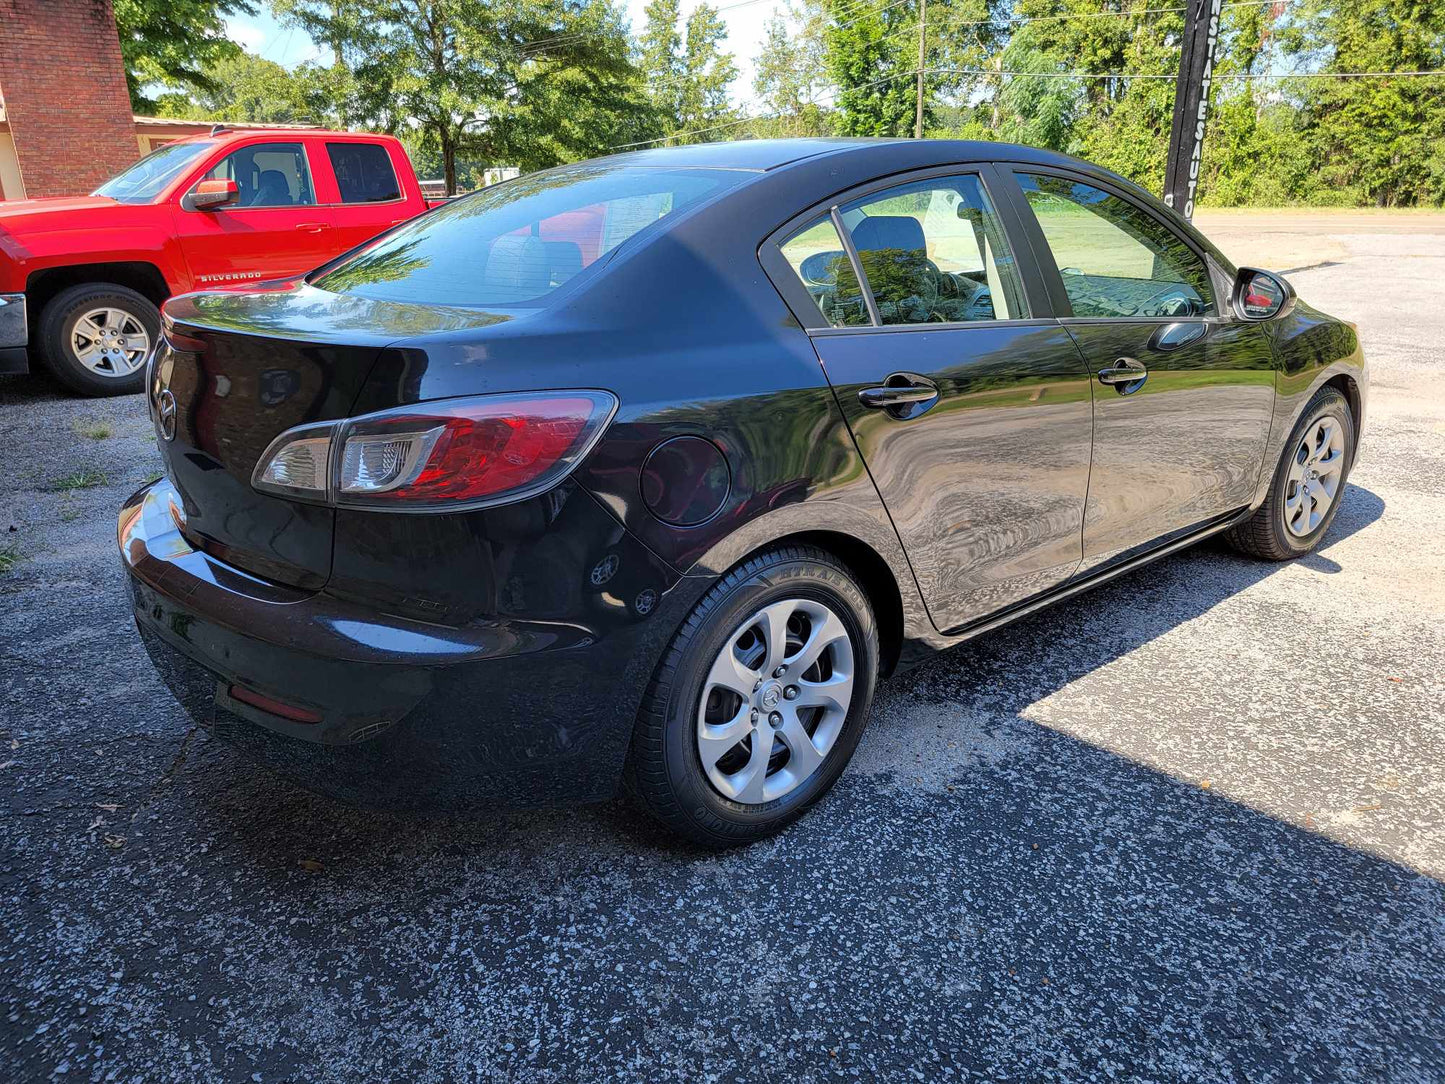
{"points": [[759, 702], [96, 337], [1308, 484]]}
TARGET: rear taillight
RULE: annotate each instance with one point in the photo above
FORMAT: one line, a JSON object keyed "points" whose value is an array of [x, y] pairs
{"points": [[447, 455]]}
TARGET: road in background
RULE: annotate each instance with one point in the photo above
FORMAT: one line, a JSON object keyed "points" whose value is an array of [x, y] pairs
{"points": [[1188, 826]]}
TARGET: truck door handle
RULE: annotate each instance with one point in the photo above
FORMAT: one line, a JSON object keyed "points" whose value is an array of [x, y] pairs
{"points": [[313, 227], [1125, 376], [899, 394]]}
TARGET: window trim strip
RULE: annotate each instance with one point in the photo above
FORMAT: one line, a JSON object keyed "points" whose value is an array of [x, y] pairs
{"points": [[846, 237]]}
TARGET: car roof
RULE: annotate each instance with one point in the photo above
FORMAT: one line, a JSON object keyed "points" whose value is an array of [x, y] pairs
{"points": [[231, 135], [763, 155]]}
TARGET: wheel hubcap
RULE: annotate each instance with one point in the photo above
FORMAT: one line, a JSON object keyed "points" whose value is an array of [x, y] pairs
{"points": [[110, 342], [1314, 478], [775, 701]]}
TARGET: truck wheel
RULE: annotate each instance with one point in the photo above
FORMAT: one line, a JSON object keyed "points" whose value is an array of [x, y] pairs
{"points": [[96, 338]]}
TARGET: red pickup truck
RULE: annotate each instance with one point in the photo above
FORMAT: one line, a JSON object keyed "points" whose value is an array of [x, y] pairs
{"points": [[82, 279]]}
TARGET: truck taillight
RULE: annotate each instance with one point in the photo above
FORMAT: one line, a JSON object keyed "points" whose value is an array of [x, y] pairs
{"points": [[442, 456]]}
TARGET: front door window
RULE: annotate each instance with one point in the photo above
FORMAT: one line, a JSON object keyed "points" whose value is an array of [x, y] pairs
{"points": [[1116, 260]]}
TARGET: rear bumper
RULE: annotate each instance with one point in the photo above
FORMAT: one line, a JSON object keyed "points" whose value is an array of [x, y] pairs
{"points": [[412, 715]]}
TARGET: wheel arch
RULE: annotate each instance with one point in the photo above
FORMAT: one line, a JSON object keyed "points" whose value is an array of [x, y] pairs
{"points": [[42, 286], [1350, 389], [872, 573]]}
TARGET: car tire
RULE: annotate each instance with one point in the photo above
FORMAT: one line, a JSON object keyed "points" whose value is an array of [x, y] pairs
{"points": [[129, 329], [808, 589], [1301, 503]]}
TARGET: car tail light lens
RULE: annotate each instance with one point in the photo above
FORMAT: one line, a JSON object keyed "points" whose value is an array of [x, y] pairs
{"points": [[448, 455], [297, 464]]}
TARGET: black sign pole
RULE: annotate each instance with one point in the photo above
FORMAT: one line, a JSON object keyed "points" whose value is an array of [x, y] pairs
{"points": [[1191, 104]]}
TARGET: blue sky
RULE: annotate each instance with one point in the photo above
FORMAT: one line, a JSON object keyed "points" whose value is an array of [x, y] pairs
{"points": [[263, 35]]}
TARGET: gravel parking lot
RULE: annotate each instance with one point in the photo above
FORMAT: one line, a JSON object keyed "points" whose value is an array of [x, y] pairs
{"points": [[1189, 826]]}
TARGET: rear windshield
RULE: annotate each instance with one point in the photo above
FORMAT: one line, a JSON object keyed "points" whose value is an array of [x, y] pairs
{"points": [[516, 242], [145, 180]]}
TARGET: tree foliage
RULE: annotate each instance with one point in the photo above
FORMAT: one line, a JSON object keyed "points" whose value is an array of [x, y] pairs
{"points": [[173, 44], [686, 71], [528, 82]]}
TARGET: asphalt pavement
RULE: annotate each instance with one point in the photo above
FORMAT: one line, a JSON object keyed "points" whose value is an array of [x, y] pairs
{"points": [[1190, 826]]}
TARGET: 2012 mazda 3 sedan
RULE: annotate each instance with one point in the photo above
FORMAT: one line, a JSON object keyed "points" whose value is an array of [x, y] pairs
{"points": [[648, 468]]}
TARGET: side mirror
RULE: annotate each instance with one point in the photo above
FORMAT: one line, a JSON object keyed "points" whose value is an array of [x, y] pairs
{"points": [[210, 195], [1260, 295]]}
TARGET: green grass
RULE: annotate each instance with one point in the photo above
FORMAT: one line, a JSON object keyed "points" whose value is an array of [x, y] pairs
{"points": [[94, 430], [154, 476], [9, 557], [78, 479]]}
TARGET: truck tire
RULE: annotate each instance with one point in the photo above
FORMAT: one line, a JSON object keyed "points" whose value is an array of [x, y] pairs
{"points": [[96, 337]]}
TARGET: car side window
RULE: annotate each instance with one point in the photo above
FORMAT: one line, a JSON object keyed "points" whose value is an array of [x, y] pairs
{"points": [[934, 252], [1116, 260], [817, 256], [364, 173], [267, 175]]}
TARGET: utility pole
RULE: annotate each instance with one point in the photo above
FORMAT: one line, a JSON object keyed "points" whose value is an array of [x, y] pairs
{"points": [[1191, 104], [922, 30]]}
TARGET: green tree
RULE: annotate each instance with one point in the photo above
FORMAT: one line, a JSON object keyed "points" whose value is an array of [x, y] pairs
{"points": [[788, 74], [173, 43], [248, 88], [479, 78], [868, 62], [687, 73], [1378, 139]]}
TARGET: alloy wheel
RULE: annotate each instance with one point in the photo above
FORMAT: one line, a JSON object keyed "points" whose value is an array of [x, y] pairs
{"points": [[110, 342], [1315, 474], [775, 700]]}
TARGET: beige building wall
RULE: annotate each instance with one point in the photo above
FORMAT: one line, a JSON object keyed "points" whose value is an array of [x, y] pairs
{"points": [[11, 187]]}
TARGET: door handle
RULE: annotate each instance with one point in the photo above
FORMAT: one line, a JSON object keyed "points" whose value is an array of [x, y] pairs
{"points": [[902, 395], [1125, 376], [882, 398], [313, 227]]}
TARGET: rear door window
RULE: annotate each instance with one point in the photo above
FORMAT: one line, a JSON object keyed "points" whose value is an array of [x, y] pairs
{"points": [[364, 172], [267, 175], [934, 252], [817, 257]]}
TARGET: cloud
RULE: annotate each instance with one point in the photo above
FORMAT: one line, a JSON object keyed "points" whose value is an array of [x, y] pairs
{"points": [[247, 35]]}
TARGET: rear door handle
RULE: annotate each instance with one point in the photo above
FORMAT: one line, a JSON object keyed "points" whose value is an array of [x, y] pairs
{"points": [[899, 393], [882, 398], [313, 227], [1125, 376]]}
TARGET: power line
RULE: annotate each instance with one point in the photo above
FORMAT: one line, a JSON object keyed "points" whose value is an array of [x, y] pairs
{"points": [[912, 72]]}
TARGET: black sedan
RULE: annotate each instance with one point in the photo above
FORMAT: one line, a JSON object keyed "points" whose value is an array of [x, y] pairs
{"points": [[647, 469]]}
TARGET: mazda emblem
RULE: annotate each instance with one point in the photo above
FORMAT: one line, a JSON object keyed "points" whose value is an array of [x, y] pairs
{"points": [[166, 414]]}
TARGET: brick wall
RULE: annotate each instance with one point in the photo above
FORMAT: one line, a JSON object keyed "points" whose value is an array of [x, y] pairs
{"points": [[63, 82]]}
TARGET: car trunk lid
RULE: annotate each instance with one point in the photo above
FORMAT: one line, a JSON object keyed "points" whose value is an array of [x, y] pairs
{"points": [[236, 369]]}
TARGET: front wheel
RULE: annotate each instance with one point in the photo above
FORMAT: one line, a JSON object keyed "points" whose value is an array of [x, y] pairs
{"points": [[96, 336], [759, 702], [1308, 484]]}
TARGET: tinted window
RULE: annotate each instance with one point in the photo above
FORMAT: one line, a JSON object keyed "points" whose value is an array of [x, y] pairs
{"points": [[145, 180], [517, 241], [268, 175], [816, 254], [933, 252], [1116, 260], [363, 172]]}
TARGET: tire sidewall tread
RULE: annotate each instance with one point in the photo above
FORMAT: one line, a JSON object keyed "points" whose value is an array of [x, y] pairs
{"points": [[663, 771], [1264, 533], [55, 323]]}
